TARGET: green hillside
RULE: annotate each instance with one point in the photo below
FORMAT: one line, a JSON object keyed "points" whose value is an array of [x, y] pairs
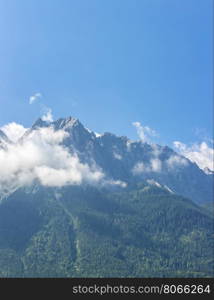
{"points": [[142, 231]]}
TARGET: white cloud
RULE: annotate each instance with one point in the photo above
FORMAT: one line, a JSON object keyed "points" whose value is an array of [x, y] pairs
{"points": [[153, 182], [129, 144], [97, 134], [47, 135], [144, 132], [156, 150], [200, 153], [48, 116], [139, 168], [34, 97], [154, 165], [14, 131], [42, 157], [117, 155], [176, 161], [115, 182]]}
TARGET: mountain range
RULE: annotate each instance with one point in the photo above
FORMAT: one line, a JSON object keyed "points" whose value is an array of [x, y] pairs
{"points": [[112, 207], [134, 161]]}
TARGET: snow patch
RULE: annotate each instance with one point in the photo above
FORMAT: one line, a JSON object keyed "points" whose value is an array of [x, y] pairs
{"points": [[98, 134], [117, 156], [153, 182], [168, 189]]}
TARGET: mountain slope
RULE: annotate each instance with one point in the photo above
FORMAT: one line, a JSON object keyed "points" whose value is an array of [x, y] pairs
{"points": [[142, 231]]}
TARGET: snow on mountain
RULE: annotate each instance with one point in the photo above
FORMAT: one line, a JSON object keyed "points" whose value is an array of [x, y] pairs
{"points": [[208, 171]]}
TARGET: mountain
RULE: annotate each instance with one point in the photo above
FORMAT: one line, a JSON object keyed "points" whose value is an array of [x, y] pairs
{"points": [[3, 140], [84, 231], [156, 224], [208, 171], [134, 161]]}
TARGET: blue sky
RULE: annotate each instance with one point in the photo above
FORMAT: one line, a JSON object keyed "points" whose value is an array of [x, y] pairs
{"points": [[110, 63]]}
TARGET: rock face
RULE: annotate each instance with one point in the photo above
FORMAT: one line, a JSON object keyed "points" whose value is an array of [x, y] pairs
{"points": [[3, 140]]}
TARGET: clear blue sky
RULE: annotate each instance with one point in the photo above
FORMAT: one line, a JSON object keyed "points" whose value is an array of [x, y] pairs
{"points": [[110, 63]]}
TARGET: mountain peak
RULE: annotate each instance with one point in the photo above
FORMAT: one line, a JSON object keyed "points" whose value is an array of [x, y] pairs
{"points": [[109, 134], [70, 121], [40, 123], [65, 123]]}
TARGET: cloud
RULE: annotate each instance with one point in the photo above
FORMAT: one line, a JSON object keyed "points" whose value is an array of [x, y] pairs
{"points": [[41, 157], [154, 165], [144, 132], [48, 116], [119, 183], [139, 168], [14, 131], [34, 97], [200, 153], [176, 161], [117, 155], [157, 165]]}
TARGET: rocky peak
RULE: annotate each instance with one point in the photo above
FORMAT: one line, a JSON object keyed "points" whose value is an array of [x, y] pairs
{"points": [[3, 135], [40, 123], [66, 123]]}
